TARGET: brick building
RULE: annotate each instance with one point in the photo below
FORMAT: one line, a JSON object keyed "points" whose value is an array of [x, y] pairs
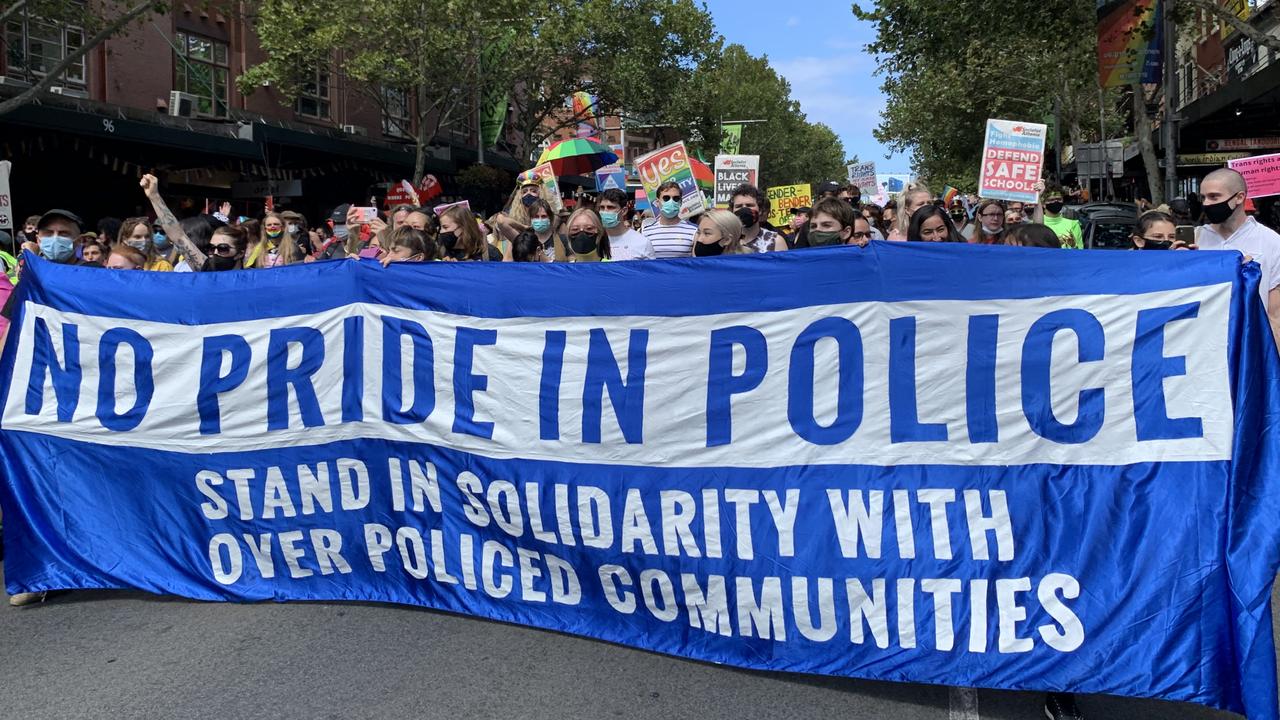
{"points": [[108, 120]]}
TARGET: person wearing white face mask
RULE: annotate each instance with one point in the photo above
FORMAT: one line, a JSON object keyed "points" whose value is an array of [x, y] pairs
{"points": [[669, 234], [988, 225], [624, 243]]}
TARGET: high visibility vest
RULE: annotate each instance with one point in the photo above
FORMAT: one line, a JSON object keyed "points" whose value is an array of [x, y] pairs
{"points": [[10, 266]]}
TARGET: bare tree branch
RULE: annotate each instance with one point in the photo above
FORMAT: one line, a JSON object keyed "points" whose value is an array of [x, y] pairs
{"points": [[9, 11], [56, 72], [1243, 26]]}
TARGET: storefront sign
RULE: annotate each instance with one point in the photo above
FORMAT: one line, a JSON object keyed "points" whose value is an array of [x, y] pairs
{"points": [[1212, 158], [1255, 143], [1242, 58]]}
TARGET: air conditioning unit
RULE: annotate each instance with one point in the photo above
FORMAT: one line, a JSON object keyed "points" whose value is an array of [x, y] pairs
{"points": [[182, 104], [69, 92], [355, 130]]}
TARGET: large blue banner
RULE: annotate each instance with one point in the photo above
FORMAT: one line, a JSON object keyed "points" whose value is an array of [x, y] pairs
{"points": [[976, 466]]}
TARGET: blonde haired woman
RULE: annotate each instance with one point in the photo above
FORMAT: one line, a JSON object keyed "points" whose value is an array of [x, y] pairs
{"points": [[587, 239], [516, 218], [915, 197], [274, 247], [719, 233]]}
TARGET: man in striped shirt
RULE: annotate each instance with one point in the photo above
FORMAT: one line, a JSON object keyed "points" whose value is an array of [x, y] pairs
{"points": [[671, 236]]}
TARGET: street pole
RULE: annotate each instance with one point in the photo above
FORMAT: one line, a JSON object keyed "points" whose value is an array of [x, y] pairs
{"points": [[1057, 140], [1170, 105], [1104, 146]]}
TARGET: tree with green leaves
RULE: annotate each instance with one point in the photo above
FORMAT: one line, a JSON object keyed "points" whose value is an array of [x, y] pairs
{"points": [[735, 85], [420, 58], [630, 56], [444, 58]]}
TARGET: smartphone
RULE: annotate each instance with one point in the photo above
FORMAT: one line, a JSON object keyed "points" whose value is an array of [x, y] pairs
{"points": [[366, 214], [369, 253], [1186, 234]]}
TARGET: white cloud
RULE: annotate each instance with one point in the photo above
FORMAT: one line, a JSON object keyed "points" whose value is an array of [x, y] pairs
{"points": [[793, 21], [838, 90]]}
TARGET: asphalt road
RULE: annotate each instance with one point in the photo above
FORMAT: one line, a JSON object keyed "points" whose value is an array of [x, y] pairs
{"points": [[132, 655]]}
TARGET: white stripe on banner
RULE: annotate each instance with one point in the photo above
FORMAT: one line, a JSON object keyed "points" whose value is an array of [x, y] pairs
{"points": [[672, 430]]}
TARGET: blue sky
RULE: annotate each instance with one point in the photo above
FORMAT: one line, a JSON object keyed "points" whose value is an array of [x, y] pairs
{"points": [[817, 45]]}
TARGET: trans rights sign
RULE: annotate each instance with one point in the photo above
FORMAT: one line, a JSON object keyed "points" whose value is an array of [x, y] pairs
{"points": [[1012, 159], [980, 466]]}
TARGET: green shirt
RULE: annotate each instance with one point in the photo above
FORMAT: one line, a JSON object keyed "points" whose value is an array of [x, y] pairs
{"points": [[1067, 230]]}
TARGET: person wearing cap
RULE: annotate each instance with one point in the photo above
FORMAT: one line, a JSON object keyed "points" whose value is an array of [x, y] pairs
{"points": [[828, 189], [335, 246], [56, 231]]}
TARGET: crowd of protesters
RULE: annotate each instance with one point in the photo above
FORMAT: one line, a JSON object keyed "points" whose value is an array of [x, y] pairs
{"points": [[603, 228]]}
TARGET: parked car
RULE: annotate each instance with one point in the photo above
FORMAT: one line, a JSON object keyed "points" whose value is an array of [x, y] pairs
{"points": [[1109, 232]]}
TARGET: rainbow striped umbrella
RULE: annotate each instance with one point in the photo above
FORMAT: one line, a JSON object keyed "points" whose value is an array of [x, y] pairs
{"points": [[577, 156], [702, 174]]}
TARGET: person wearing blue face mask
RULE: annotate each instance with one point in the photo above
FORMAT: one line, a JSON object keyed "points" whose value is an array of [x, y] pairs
{"points": [[624, 243], [55, 237], [669, 234]]}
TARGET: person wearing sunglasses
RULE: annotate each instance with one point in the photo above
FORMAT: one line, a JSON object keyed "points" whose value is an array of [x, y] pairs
{"points": [[670, 235], [227, 245]]}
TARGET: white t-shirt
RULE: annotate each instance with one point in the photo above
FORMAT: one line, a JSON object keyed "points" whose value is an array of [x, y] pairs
{"points": [[630, 245], [1255, 240], [670, 241]]}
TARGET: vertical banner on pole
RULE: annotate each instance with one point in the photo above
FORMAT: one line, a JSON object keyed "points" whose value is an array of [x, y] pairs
{"points": [[1130, 35], [6, 197]]}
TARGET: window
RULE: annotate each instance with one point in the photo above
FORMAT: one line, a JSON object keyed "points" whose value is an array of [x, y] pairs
{"points": [[35, 47], [395, 113], [202, 69], [313, 99]]}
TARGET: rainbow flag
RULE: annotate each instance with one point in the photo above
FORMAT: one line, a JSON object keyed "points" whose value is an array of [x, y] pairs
{"points": [[584, 108], [949, 195], [1130, 36]]}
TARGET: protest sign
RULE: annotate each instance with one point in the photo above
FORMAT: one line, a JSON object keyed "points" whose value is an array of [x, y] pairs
{"points": [[610, 177], [912, 462], [1261, 173], [732, 171], [440, 209], [671, 164], [6, 198], [784, 197], [1012, 160], [863, 176], [402, 193]]}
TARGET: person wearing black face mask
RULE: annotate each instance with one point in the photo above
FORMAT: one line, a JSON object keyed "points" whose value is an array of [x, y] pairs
{"points": [[1067, 230], [587, 239], [1229, 228], [747, 203]]}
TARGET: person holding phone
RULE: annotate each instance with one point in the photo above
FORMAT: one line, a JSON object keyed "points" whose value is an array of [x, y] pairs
{"points": [[1156, 231]]}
